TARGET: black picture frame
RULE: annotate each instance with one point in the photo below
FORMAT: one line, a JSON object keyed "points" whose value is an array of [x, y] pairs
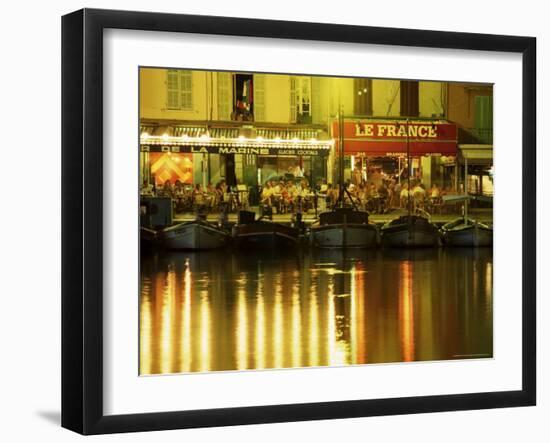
{"points": [[82, 231]]}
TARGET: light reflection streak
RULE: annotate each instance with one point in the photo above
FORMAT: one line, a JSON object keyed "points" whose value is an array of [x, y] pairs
{"points": [[406, 312], [489, 283], [296, 324], [278, 326], [205, 353], [259, 345], [359, 319], [242, 325], [353, 314], [313, 327], [337, 347], [166, 322], [488, 293], [145, 328], [187, 355]]}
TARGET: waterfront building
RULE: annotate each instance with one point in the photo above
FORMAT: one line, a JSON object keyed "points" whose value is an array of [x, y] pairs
{"points": [[471, 107], [204, 126]]}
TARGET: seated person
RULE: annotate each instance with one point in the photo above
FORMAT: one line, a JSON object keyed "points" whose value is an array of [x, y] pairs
{"points": [[435, 192], [267, 194], [211, 196], [167, 190], [404, 195], [198, 196]]}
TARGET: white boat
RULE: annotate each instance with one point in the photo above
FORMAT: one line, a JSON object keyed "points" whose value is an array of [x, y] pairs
{"points": [[467, 232], [343, 228], [194, 235]]}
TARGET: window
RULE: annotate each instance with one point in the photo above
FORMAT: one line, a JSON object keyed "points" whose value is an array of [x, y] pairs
{"points": [[300, 99], [224, 96], [483, 118], [243, 93], [180, 88], [409, 98], [363, 96], [259, 97]]}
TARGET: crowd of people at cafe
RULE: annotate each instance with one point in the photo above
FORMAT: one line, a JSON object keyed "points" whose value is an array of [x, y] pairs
{"points": [[297, 195]]}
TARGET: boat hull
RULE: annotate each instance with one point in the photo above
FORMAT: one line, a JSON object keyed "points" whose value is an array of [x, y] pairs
{"points": [[194, 236], [264, 235], [475, 236], [148, 238], [410, 232], [344, 236]]}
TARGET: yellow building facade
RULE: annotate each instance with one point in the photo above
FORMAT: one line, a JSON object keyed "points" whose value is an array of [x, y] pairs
{"points": [[285, 107]]}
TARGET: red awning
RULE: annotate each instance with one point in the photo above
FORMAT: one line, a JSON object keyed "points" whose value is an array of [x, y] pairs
{"points": [[389, 137], [398, 148]]}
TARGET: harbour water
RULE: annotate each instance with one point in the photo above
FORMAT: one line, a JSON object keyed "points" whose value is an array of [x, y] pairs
{"points": [[223, 310]]}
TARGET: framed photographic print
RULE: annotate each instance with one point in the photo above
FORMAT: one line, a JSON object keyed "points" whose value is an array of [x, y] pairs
{"points": [[269, 221]]}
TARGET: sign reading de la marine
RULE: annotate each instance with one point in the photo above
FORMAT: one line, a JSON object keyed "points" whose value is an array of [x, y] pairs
{"points": [[248, 150]]}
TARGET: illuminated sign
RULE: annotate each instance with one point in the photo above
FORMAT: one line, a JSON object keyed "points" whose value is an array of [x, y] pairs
{"points": [[393, 138], [247, 150]]}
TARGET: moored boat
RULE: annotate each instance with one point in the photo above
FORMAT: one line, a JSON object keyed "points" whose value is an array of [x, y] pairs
{"points": [[467, 232], [194, 235], [414, 229], [343, 228], [410, 231], [148, 238], [252, 233]]}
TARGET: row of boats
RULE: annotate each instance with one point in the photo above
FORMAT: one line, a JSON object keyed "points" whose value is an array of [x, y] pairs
{"points": [[339, 228]]}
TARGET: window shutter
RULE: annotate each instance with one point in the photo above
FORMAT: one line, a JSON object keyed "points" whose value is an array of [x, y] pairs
{"points": [[484, 112], [304, 96], [179, 89], [484, 118], [224, 96], [409, 98], [186, 90], [292, 99], [173, 90], [259, 97], [316, 111]]}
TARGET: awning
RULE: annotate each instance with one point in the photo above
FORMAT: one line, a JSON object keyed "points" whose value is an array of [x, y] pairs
{"points": [[476, 154], [396, 137], [247, 139]]}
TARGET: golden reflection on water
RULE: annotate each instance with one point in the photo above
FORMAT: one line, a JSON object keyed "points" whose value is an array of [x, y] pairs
{"points": [[259, 348], [242, 327], [215, 311], [406, 311], [278, 332], [187, 356], [146, 326], [313, 342], [296, 323], [166, 317]]}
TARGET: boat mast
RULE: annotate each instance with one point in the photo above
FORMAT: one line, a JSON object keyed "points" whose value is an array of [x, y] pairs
{"points": [[342, 189], [466, 190], [409, 169], [341, 162]]}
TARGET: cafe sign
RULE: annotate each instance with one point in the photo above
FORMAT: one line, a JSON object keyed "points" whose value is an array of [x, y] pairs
{"points": [[247, 150], [390, 137]]}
